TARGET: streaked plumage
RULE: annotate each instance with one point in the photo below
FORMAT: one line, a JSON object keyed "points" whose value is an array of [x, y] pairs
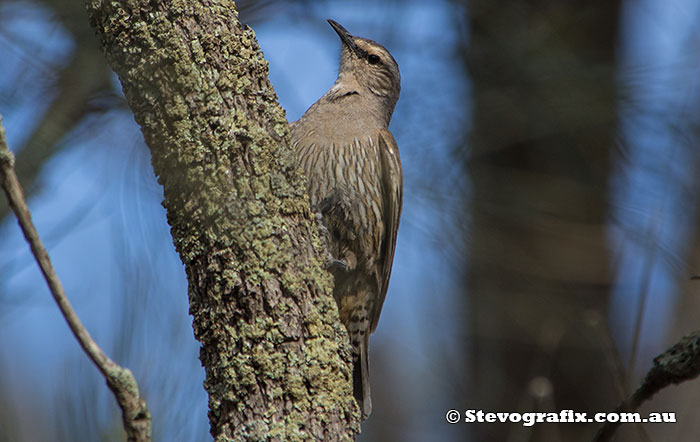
{"points": [[353, 169]]}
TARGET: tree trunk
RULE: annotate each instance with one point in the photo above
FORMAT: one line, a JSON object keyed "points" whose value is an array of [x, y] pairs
{"points": [[276, 357], [539, 274]]}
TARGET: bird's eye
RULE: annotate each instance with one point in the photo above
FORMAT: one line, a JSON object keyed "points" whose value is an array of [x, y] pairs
{"points": [[373, 58]]}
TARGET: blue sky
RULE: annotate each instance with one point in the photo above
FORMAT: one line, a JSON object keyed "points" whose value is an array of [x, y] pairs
{"points": [[661, 75]]}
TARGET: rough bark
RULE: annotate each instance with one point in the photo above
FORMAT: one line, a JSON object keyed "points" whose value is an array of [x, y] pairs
{"points": [[276, 357]]}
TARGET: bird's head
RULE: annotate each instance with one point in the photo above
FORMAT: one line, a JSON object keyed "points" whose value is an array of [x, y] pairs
{"points": [[369, 65]]}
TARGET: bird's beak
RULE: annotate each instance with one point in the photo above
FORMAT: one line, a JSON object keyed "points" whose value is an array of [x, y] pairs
{"points": [[345, 36]]}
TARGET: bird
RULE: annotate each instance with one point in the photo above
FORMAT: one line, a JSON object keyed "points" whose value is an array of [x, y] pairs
{"points": [[355, 186]]}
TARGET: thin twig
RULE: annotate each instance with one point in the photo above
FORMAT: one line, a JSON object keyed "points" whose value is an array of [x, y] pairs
{"points": [[679, 363], [655, 226], [135, 414]]}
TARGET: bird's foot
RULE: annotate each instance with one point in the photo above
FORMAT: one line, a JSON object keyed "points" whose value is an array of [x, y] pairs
{"points": [[338, 264]]}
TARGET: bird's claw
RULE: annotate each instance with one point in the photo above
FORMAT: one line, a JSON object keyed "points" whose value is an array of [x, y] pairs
{"points": [[338, 264]]}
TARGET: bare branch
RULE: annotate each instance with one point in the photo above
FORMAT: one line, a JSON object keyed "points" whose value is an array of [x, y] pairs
{"points": [[679, 363], [135, 414]]}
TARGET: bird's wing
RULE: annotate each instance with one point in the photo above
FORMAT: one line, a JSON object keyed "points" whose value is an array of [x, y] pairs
{"points": [[392, 193]]}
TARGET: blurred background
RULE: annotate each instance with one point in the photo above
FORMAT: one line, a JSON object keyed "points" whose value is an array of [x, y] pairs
{"points": [[550, 230]]}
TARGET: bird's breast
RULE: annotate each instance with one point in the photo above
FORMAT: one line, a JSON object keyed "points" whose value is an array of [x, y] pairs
{"points": [[353, 165], [349, 169]]}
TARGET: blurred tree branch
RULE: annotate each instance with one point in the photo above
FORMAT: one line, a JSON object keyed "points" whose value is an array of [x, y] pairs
{"points": [[679, 363], [276, 357], [76, 90], [135, 414], [75, 85], [539, 271]]}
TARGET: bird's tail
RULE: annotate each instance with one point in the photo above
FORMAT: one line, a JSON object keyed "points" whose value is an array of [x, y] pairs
{"points": [[360, 379]]}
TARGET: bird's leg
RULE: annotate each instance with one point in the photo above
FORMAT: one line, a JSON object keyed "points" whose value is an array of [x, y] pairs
{"points": [[332, 262], [338, 230], [348, 263], [337, 264]]}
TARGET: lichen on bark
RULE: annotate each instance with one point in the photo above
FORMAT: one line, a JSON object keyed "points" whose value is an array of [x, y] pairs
{"points": [[276, 357]]}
